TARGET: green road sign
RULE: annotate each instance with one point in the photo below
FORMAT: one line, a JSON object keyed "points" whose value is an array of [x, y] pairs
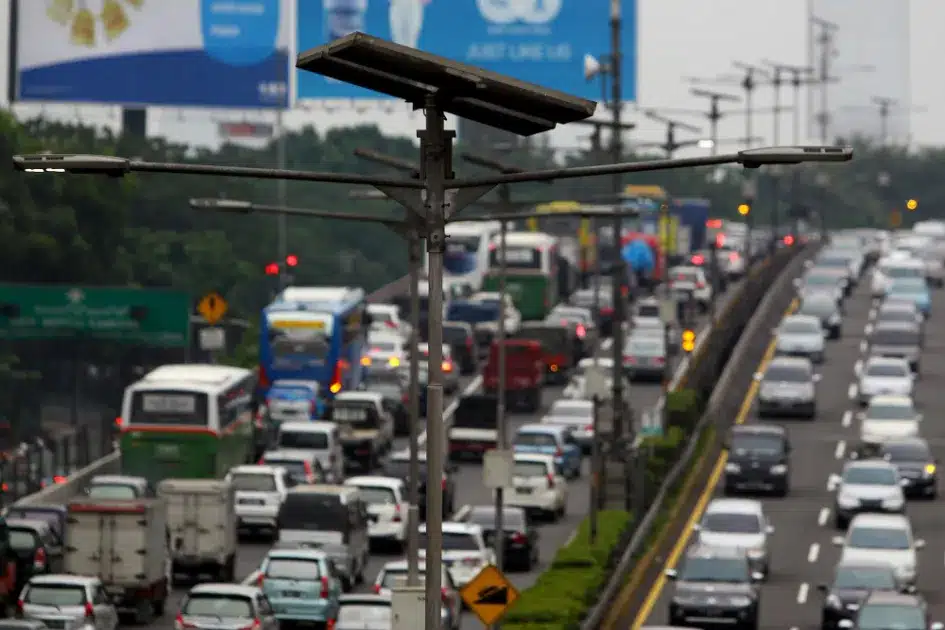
{"points": [[152, 317]]}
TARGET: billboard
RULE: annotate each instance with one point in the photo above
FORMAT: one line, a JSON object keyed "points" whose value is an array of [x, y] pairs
{"points": [[540, 41], [204, 53]]}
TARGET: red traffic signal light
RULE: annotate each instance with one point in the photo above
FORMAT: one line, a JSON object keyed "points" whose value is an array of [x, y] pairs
{"points": [[272, 269], [292, 260]]}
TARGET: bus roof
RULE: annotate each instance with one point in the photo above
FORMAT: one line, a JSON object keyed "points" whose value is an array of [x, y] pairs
{"points": [[472, 228], [558, 206], [527, 239], [193, 376], [318, 298], [649, 192]]}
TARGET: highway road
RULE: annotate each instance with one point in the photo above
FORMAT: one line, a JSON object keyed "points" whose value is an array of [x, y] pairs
{"points": [[803, 555]]}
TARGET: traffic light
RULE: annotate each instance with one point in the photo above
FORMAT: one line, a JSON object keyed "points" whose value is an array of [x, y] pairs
{"points": [[291, 260], [744, 209], [911, 205], [272, 269], [689, 340], [788, 240]]}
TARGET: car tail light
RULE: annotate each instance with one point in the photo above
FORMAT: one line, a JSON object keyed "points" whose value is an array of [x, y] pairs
{"points": [[260, 579], [118, 422], [253, 626], [624, 291], [700, 285], [469, 343], [659, 360], [19, 608], [698, 259], [324, 593], [733, 256], [59, 479], [180, 624], [330, 624], [629, 360], [581, 331], [261, 461], [335, 386], [309, 474], [589, 427], [445, 595], [551, 481], [397, 513], [443, 484], [39, 560], [377, 588], [263, 377], [518, 538], [390, 324], [89, 612], [559, 452], [447, 366], [607, 310]]}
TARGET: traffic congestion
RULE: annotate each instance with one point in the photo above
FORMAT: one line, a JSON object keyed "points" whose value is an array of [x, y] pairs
{"points": [[291, 508], [823, 509]]}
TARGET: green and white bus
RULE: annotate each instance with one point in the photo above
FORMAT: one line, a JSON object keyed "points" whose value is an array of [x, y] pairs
{"points": [[188, 422], [532, 271]]}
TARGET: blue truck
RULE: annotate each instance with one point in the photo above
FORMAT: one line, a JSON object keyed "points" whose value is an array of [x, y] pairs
{"points": [[693, 213]]}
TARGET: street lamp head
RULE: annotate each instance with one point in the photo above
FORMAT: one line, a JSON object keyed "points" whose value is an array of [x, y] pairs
{"points": [[754, 158], [706, 143], [78, 164], [222, 205]]}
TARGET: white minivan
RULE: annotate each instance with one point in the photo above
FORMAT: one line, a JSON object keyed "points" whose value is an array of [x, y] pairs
{"points": [[319, 438]]}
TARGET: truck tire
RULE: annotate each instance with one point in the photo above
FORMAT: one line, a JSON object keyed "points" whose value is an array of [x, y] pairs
{"points": [[157, 606]]}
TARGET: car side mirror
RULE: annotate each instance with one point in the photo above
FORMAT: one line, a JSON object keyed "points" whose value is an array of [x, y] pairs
{"points": [[823, 588], [837, 541], [903, 482], [919, 543], [909, 589], [670, 574]]}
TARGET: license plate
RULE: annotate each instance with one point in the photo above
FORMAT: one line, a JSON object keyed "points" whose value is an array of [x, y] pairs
{"points": [[252, 502], [523, 490], [292, 593]]}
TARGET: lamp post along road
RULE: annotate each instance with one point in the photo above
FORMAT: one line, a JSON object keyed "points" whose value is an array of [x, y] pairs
{"points": [[440, 86], [616, 64]]}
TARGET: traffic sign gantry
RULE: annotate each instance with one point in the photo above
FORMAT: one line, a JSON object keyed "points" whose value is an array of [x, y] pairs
{"points": [[213, 307], [489, 595]]}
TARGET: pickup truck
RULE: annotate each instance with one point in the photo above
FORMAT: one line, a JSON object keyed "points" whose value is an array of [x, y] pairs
{"points": [[524, 373], [473, 430], [366, 428]]}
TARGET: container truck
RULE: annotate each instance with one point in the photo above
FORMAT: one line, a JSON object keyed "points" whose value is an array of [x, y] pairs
{"points": [[693, 214]]}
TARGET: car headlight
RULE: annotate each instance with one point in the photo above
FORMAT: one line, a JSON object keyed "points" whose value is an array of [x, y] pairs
{"points": [[778, 469], [833, 601], [845, 501], [733, 468], [684, 600], [893, 503], [929, 470], [740, 600]]}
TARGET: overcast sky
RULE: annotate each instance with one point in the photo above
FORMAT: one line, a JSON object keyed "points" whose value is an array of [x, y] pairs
{"points": [[679, 39]]}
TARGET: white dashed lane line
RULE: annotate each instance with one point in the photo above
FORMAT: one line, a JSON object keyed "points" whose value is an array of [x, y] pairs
{"points": [[802, 593], [813, 553], [847, 418], [841, 450], [851, 391], [823, 516]]}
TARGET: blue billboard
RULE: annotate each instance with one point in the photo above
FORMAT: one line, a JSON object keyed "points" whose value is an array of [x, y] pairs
{"points": [[204, 53], [540, 41]]}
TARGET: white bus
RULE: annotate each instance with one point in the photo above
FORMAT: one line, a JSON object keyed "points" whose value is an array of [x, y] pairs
{"points": [[188, 421], [467, 254], [535, 272]]}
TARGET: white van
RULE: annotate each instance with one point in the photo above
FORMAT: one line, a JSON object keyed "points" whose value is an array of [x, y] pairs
{"points": [[319, 438]]}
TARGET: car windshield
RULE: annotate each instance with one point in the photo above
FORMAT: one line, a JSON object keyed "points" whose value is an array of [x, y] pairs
{"points": [[110, 491], [530, 469], [398, 577], [54, 595], [908, 285], [698, 569], [906, 452], [484, 516], [249, 482], [870, 476], [880, 411], [890, 617], [293, 569], [219, 606], [757, 444], [645, 348], [787, 374], [542, 440], [800, 327], [899, 315], [454, 541], [364, 616], [23, 539], [382, 347], [295, 468], [820, 279], [863, 537], [317, 440], [648, 310], [888, 370], [731, 522], [378, 495], [818, 306], [895, 338], [898, 272], [866, 578]]}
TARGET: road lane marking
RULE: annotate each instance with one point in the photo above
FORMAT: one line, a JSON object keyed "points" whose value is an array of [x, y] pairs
{"points": [[841, 449], [868, 330], [847, 418], [450, 409], [813, 553], [863, 346], [858, 367], [872, 314], [824, 516], [832, 482], [851, 391], [802, 593]]}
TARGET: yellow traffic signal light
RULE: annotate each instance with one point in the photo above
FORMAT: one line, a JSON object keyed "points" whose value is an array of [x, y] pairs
{"points": [[911, 205], [744, 209], [689, 340]]}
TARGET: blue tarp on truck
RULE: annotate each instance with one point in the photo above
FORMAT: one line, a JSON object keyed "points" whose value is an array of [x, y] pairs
{"points": [[693, 213]]}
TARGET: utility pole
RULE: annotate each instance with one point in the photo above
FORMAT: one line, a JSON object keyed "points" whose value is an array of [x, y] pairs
{"points": [[799, 76], [825, 40], [715, 113], [670, 144]]}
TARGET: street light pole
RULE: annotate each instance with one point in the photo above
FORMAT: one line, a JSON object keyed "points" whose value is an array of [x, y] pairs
{"points": [[502, 437], [616, 63], [414, 244]]}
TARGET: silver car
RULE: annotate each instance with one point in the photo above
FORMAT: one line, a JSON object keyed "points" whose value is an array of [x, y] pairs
{"points": [[788, 387], [645, 357], [738, 524], [897, 340], [226, 607], [885, 376], [867, 486], [68, 601], [576, 414], [801, 335]]}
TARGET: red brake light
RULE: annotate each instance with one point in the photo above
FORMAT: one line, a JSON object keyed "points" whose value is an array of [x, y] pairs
{"points": [[377, 588], [263, 377], [581, 331], [261, 461], [397, 516], [308, 472], [788, 240], [119, 422], [89, 611], [390, 324], [518, 538], [180, 624], [260, 579], [324, 594], [59, 479], [19, 608], [443, 484], [659, 360], [559, 452], [589, 427], [629, 360], [733, 256], [551, 481], [469, 343], [330, 624], [607, 310], [698, 259], [39, 560], [444, 595], [700, 285]]}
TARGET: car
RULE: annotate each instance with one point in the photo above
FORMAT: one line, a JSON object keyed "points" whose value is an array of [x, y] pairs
{"points": [[560, 348], [386, 500], [67, 601], [397, 466], [915, 290], [852, 584], [888, 417], [394, 574], [228, 605], [576, 414], [824, 308], [513, 318], [897, 311], [917, 466], [367, 612], [462, 342], [386, 351], [259, 493], [759, 458], [521, 537], [720, 579], [882, 538], [600, 303], [801, 336], [934, 268], [464, 550], [396, 394], [118, 487], [867, 486], [555, 440], [691, 282], [841, 262], [576, 389], [821, 280], [883, 610], [580, 321], [386, 318], [317, 439], [450, 370], [653, 327], [646, 357], [738, 524], [301, 585], [36, 548], [303, 467], [294, 399], [891, 268], [902, 340], [538, 486], [732, 262], [788, 387], [365, 426], [884, 376]]}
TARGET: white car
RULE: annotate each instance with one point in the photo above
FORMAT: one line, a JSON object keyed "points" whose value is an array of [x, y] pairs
{"points": [[394, 574], [892, 267], [386, 507], [888, 417], [386, 318], [732, 262], [884, 376], [386, 351], [882, 539], [739, 524], [537, 486], [867, 486], [259, 493], [691, 280], [577, 414], [321, 438], [463, 549], [67, 601], [513, 318]]}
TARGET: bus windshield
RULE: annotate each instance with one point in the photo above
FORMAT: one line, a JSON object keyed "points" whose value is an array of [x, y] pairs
{"points": [[169, 407], [517, 258], [292, 342]]}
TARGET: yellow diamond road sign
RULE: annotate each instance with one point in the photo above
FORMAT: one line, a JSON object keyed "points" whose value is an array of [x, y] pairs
{"points": [[212, 307], [489, 595]]}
